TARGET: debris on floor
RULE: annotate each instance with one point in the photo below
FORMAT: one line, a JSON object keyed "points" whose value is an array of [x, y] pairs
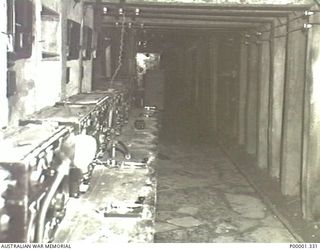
{"points": [[209, 200]]}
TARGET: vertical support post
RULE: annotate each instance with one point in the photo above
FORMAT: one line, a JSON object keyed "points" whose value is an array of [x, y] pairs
{"points": [[97, 18], [235, 88], [80, 79], [263, 101], [63, 24], [197, 79], [293, 109], [311, 135], [277, 78], [251, 105], [243, 81], [213, 81], [206, 79], [132, 53]]}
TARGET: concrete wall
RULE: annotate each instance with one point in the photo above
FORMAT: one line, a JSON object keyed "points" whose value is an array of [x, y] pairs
{"points": [[47, 67], [75, 13], [37, 76], [23, 102], [87, 64]]}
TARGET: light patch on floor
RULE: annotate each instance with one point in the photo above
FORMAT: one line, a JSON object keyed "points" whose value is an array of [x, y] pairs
{"points": [[185, 222], [247, 206], [225, 228], [163, 227], [269, 235], [224, 239], [188, 210]]}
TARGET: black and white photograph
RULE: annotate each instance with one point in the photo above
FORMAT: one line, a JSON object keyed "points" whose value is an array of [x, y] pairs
{"points": [[159, 121]]}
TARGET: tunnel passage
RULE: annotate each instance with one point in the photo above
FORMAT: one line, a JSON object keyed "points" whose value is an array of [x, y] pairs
{"points": [[237, 80], [241, 76]]}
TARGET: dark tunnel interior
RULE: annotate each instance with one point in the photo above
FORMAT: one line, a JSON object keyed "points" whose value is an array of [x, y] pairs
{"points": [[188, 68]]}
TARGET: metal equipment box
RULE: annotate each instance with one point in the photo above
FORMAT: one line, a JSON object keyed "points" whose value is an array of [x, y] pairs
{"points": [[33, 181]]}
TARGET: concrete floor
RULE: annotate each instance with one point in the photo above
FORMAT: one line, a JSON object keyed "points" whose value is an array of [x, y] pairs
{"points": [[202, 197]]}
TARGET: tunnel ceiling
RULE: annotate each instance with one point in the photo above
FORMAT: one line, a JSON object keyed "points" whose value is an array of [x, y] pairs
{"points": [[211, 2], [196, 17]]}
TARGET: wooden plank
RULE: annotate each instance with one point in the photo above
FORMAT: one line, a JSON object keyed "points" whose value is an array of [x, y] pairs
{"points": [[311, 135], [251, 99], [61, 114], [85, 98], [293, 110], [263, 102], [278, 60], [213, 82], [243, 76]]}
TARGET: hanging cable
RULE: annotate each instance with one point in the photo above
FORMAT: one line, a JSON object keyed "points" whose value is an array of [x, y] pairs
{"points": [[303, 16], [285, 35], [123, 30]]}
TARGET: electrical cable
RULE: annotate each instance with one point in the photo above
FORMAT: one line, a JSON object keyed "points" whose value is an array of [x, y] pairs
{"points": [[279, 36], [290, 31], [303, 16], [123, 30]]}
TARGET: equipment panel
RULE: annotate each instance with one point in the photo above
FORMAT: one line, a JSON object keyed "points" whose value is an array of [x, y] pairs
{"points": [[33, 182]]}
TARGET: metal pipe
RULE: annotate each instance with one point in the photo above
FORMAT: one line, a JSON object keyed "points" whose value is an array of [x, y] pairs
{"points": [[109, 19], [205, 7], [176, 29], [196, 17], [126, 152], [81, 75], [201, 24], [110, 118]]}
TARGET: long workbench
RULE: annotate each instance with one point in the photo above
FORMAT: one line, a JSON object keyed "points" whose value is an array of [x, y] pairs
{"points": [[41, 195], [120, 204]]}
